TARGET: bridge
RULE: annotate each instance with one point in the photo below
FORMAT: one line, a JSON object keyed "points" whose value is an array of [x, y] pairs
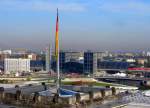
{"points": [[127, 69], [125, 80], [112, 69], [118, 66], [139, 69]]}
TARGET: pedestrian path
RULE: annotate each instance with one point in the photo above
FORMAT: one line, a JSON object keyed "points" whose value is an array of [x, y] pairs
{"points": [[138, 97]]}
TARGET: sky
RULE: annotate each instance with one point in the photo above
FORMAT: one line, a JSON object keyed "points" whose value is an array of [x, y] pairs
{"points": [[83, 24]]}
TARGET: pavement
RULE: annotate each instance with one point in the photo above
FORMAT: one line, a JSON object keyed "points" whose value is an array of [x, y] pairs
{"points": [[8, 106], [136, 100], [137, 105], [138, 97]]}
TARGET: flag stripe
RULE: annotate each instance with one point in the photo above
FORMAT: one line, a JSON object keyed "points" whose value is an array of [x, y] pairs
{"points": [[56, 37]]}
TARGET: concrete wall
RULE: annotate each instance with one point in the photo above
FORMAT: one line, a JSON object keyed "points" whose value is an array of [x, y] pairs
{"points": [[7, 97], [84, 97], [68, 100], [108, 93], [97, 95]]}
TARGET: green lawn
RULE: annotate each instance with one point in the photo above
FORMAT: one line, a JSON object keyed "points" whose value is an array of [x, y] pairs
{"points": [[103, 84], [94, 83]]}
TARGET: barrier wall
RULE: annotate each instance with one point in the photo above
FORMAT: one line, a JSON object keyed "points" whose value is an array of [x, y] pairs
{"points": [[30, 99]]}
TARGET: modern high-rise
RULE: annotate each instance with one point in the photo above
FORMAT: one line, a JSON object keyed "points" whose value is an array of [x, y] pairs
{"points": [[65, 57], [62, 60], [90, 62]]}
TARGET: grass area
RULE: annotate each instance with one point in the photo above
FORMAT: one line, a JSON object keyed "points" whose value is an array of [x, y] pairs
{"points": [[103, 84], [88, 83], [80, 82]]}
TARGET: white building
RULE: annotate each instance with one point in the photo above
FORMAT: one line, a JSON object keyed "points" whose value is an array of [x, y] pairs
{"points": [[130, 60], [148, 53], [16, 65], [6, 52], [32, 56]]}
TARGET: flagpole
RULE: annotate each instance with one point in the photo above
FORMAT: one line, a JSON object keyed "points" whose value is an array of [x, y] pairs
{"points": [[58, 73], [57, 54]]}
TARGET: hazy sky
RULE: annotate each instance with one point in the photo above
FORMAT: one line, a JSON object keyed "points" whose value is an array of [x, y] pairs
{"points": [[84, 24]]}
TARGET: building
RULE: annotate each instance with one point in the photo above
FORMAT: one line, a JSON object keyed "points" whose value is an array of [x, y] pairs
{"points": [[6, 52], [131, 60], [114, 65], [32, 56], [48, 58], [62, 60], [141, 61], [1, 66], [148, 53], [4, 56], [73, 67], [37, 65], [90, 62], [16, 65], [65, 57], [73, 56]]}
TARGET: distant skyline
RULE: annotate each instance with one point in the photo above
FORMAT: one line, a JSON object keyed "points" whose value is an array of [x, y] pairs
{"points": [[84, 24]]}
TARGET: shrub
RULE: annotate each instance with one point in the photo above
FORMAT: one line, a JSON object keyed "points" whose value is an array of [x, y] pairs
{"points": [[28, 78], [4, 81]]}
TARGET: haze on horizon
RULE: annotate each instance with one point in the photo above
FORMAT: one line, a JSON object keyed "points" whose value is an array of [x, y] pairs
{"points": [[83, 24]]}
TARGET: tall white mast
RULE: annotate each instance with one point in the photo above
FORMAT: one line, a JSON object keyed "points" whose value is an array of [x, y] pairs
{"points": [[48, 58], [57, 52]]}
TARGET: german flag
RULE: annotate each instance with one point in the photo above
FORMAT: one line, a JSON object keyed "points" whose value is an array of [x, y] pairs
{"points": [[57, 38]]}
